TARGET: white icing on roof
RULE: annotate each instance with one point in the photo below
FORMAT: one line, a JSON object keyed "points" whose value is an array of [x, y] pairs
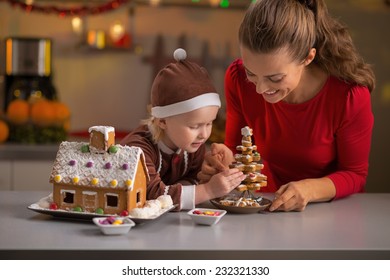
{"points": [[121, 166]]}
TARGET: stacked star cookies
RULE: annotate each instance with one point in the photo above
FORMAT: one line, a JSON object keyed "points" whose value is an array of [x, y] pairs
{"points": [[248, 161]]}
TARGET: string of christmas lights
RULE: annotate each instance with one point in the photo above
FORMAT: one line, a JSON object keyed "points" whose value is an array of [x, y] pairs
{"points": [[94, 9], [82, 10]]}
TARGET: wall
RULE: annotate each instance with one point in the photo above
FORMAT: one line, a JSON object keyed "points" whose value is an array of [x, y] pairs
{"points": [[113, 87]]}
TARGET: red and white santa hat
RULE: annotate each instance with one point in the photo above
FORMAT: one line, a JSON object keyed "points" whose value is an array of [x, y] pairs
{"points": [[182, 87]]}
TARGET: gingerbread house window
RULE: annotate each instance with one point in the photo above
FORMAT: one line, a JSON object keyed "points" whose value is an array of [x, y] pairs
{"points": [[68, 196], [112, 200], [138, 197]]}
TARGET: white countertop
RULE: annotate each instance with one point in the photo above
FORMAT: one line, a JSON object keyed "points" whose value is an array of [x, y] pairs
{"points": [[357, 227]]}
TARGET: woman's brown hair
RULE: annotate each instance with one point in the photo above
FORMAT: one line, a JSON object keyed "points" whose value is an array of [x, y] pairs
{"points": [[298, 26]]}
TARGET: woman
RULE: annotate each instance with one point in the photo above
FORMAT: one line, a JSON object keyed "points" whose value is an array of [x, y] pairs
{"points": [[305, 91]]}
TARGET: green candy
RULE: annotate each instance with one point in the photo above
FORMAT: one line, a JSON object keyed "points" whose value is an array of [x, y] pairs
{"points": [[99, 211], [78, 209], [85, 149], [113, 149]]}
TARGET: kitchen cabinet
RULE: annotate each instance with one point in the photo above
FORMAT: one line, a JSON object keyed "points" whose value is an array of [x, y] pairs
{"points": [[26, 167], [5, 175], [25, 174]]}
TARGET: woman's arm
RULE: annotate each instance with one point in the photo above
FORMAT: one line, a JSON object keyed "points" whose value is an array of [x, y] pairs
{"points": [[353, 137]]}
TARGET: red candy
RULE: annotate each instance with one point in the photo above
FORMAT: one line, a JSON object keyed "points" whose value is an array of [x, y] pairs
{"points": [[124, 213], [53, 206]]}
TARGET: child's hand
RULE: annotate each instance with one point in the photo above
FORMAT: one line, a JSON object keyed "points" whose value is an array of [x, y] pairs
{"points": [[224, 182], [217, 160], [226, 155]]}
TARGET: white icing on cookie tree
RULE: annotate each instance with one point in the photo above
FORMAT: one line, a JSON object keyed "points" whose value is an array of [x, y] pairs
{"points": [[248, 161]]}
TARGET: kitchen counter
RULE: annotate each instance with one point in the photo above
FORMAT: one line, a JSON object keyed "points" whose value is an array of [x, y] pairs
{"points": [[357, 227]]}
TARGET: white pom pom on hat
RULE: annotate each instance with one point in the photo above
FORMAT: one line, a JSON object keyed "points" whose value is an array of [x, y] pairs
{"points": [[181, 87], [179, 54]]}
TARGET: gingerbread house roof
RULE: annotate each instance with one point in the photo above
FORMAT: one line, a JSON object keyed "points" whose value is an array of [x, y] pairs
{"points": [[75, 165]]}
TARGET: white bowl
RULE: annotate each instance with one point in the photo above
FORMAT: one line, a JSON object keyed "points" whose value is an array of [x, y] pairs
{"points": [[111, 229], [203, 218]]}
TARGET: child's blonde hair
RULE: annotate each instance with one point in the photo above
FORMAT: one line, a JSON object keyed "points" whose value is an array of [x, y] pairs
{"points": [[152, 123]]}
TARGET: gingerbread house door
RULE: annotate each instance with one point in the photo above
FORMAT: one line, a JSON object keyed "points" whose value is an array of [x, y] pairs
{"points": [[90, 201]]}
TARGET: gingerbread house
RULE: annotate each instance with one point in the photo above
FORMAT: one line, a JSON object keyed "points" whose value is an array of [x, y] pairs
{"points": [[99, 176]]}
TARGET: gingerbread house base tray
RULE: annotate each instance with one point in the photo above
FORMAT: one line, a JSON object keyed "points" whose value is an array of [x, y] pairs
{"points": [[264, 204], [88, 216]]}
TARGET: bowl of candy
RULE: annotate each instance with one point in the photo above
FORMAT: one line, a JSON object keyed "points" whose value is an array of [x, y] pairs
{"points": [[205, 216], [113, 225]]}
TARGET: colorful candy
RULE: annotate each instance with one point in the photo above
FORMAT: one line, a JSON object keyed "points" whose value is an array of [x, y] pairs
{"points": [[94, 181], [78, 209], [124, 213], [57, 178], [114, 183], [206, 213], [53, 206], [113, 149], [112, 221], [128, 183], [85, 149]]}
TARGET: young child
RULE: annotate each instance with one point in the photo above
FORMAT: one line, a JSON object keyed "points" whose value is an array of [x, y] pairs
{"points": [[184, 104]]}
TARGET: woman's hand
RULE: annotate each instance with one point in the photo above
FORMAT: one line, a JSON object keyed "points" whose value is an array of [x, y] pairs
{"points": [[216, 160], [294, 196]]}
